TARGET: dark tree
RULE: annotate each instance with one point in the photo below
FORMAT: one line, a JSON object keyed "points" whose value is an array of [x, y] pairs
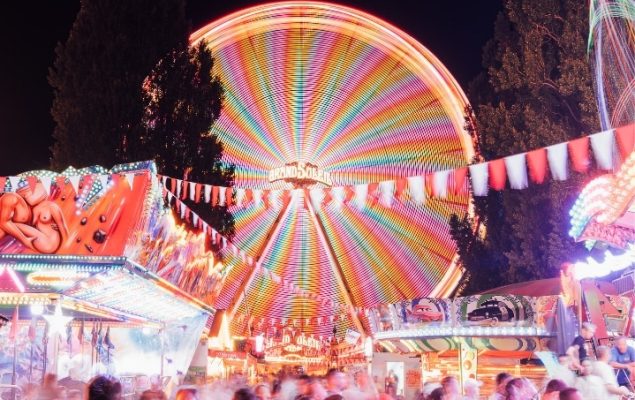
{"points": [[182, 99], [537, 91], [98, 72]]}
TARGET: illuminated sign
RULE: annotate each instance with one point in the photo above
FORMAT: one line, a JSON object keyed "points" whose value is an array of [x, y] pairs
{"points": [[300, 174]]}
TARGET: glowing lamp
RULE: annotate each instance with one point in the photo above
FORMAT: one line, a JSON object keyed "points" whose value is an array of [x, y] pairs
{"points": [[57, 322], [36, 309]]}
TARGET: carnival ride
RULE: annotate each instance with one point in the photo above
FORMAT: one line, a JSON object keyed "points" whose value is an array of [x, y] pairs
{"points": [[357, 101]]}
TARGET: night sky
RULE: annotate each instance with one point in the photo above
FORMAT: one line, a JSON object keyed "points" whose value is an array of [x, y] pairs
{"points": [[454, 31]]}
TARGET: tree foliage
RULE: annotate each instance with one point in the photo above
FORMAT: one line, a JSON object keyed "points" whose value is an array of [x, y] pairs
{"points": [[127, 87], [537, 91], [182, 99], [98, 72]]}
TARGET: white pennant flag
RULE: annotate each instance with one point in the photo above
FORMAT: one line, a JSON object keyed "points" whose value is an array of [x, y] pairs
{"points": [[516, 167], [316, 196], [602, 144], [415, 188], [182, 211], [170, 196], [387, 193], [361, 192], [557, 157], [221, 196], [164, 181], [338, 196], [46, 182], [440, 182], [192, 190], [74, 180], [178, 188], [479, 175], [257, 195], [207, 192], [15, 181], [130, 179], [240, 196], [103, 180], [194, 220]]}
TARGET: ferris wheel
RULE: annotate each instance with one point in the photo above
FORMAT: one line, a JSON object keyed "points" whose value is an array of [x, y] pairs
{"points": [[352, 100]]}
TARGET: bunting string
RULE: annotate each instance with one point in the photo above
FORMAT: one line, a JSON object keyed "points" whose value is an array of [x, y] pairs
{"points": [[514, 171]]}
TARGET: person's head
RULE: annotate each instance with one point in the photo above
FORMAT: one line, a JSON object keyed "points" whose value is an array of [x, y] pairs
{"points": [[586, 367], [472, 388], [104, 388], [502, 379], [436, 394], [520, 389], [304, 384], [49, 381], [588, 330], [621, 344], [186, 394], [262, 392], [603, 353], [450, 385], [555, 385], [570, 394], [243, 394], [335, 380]]}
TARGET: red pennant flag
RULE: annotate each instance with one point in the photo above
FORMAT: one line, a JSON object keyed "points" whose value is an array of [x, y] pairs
{"points": [[214, 195], [184, 189], [458, 183], [286, 197], [197, 193], [13, 333], [3, 181], [429, 185], [327, 196], [579, 154], [248, 196], [625, 136], [229, 196], [265, 198], [349, 193], [400, 187], [187, 214], [497, 174], [172, 185], [372, 193], [537, 164]]}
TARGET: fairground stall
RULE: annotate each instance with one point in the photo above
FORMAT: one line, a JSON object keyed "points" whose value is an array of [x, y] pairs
{"points": [[95, 277], [604, 218], [425, 339]]}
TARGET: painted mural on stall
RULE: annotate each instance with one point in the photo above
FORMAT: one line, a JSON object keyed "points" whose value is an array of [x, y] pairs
{"points": [[79, 212]]}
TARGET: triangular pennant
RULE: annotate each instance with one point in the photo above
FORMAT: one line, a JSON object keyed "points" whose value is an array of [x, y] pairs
{"points": [[537, 164], [400, 187], [441, 183], [459, 180], [74, 180], [221, 196], [32, 180], [361, 192], [130, 179], [602, 144], [15, 182], [497, 174], [197, 193], [416, 189], [387, 192], [516, 171], [315, 196], [3, 182], [579, 154], [265, 198], [625, 137], [179, 184], [172, 185], [192, 190], [372, 194], [229, 196], [164, 180], [207, 193], [257, 196], [338, 196], [479, 176], [557, 156]]}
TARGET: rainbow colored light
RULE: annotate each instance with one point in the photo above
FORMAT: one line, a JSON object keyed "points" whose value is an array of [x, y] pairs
{"points": [[362, 100]]}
